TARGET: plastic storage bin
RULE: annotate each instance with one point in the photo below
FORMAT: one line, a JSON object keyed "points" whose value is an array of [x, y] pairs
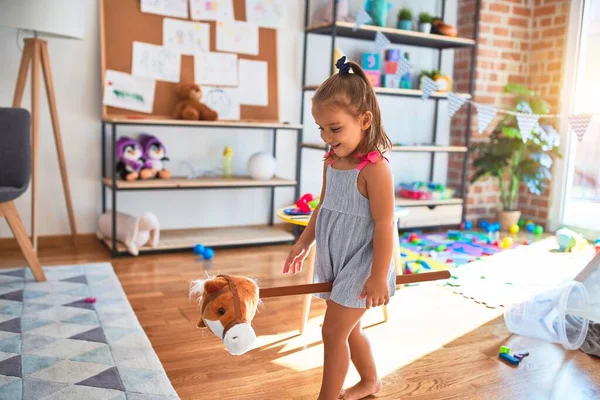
{"points": [[559, 316]]}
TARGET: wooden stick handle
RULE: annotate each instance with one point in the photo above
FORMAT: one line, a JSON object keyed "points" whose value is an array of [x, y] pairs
{"points": [[326, 287]]}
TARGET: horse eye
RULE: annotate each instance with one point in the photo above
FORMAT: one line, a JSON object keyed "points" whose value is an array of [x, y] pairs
{"points": [[221, 311]]}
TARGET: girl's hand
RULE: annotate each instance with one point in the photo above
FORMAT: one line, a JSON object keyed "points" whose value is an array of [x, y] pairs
{"points": [[376, 291], [295, 258]]}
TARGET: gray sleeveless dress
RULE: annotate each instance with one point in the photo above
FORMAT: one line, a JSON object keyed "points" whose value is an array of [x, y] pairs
{"points": [[344, 239]]}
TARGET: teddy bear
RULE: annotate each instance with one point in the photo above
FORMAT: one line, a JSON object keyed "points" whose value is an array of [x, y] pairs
{"points": [[190, 106]]}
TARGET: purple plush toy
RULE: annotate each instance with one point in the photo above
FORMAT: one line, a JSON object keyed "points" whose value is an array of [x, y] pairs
{"points": [[129, 153], [154, 156]]}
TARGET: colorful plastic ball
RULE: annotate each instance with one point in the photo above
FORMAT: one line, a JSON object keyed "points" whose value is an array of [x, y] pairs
{"points": [[208, 253], [483, 224], [507, 242], [521, 222], [198, 249], [530, 227], [496, 226], [468, 225], [597, 241], [526, 242], [538, 230], [514, 228]]}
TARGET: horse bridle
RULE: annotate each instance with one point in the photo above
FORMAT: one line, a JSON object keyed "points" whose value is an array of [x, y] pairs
{"points": [[237, 309]]}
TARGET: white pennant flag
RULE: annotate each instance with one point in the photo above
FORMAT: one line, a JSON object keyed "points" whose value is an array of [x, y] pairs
{"points": [[485, 115], [455, 102], [362, 17], [381, 42], [428, 86], [404, 67], [526, 123], [579, 123]]}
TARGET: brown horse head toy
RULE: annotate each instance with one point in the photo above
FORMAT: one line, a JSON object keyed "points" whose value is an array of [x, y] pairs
{"points": [[228, 304]]}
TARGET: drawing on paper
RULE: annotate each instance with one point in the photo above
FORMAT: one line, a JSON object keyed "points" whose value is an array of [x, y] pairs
{"points": [[186, 37], [212, 10]]}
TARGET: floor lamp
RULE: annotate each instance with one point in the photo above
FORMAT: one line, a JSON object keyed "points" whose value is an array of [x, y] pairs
{"points": [[53, 18]]}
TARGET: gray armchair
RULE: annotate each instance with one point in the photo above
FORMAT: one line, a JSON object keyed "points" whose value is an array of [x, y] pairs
{"points": [[15, 174]]}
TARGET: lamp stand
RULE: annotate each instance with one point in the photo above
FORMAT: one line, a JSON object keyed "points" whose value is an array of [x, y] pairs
{"points": [[35, 53]]}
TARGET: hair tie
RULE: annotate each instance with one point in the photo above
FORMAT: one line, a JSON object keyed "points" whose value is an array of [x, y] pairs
{"points": [[342, 65]]}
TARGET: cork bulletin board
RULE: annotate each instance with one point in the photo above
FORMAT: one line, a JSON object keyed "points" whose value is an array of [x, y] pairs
{"points": [[122, 22]]}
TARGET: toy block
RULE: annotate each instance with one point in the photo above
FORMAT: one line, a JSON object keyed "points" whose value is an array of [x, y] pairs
{"points": [[504, 350], [392, 55], [374, 77], [370, 62], [391, 67], [391, 81], [508, 358], [520, 356]]}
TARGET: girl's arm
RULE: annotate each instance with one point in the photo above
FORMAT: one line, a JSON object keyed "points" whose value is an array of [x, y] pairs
{"points": [[308, 235], [380, 189]]}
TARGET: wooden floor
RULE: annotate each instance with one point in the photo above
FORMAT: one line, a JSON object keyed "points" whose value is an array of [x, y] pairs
{"points": [[436, 344]]}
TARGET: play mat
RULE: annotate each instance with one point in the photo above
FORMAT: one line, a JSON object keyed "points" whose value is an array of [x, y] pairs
{"points": [[487, 273]]}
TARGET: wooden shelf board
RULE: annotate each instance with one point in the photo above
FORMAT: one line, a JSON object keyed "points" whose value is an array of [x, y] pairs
{"points": [[403, 92], [203, 182], [396, 36], [408, 149], [215, 237], [415, 203], [154, 120]]}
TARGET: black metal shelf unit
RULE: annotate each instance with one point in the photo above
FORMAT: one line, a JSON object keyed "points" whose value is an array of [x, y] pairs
{"points": [[337, 29]]}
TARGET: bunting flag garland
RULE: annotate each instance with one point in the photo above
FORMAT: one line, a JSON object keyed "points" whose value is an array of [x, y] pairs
{"points": [[485, 115], [428, 86], [381, 42], [455, 102], [362, 17], [579, 124], [526, 124], [404, 67]]}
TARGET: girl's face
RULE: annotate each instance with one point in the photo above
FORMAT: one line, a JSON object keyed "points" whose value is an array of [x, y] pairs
{"points": [[340, 130]]}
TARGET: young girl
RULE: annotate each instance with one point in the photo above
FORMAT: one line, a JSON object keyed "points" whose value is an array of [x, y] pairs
{"points": [[353, 227]]}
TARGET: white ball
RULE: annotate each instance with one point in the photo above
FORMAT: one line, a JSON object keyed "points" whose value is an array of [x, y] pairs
{"points": [[261, 166]]}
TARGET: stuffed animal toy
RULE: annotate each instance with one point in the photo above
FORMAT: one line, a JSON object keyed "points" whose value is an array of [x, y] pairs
{"points": [[154, 156], [324, 14], [228, 304], [190, 106], [378, 10], [131, 162], [133, 232]]}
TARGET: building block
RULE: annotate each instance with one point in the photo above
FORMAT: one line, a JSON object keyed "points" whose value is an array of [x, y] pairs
{"points": [[508, 358], [393, 55], [504, 350], [370, 62], [391, 67], [374, 77], [391, 81]]}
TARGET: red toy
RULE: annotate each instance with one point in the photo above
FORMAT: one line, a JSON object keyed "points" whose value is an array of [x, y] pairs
{"points": [[90, 300], [303, 201]]}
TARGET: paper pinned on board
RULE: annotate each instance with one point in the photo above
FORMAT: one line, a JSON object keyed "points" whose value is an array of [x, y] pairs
{"points": [[254, 82], [155, 62], [128, 92], [237, 37], [265, 13], [186, 37], [212, 10], [225, 101], [168, 8], [217, 69]]}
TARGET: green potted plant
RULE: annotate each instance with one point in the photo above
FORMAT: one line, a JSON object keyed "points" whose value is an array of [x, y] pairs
{"points": [[405, 19], [425, 20], [512, 161]]}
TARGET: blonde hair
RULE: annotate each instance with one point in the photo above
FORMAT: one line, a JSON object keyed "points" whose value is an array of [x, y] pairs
{"points": [[354, 93]]}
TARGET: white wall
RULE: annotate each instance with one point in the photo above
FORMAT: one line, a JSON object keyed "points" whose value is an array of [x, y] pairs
{"points": [[76, 71]]}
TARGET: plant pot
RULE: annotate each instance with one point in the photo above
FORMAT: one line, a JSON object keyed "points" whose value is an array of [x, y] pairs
{"points": [[405, 24], [425, 27], [508, 218]]}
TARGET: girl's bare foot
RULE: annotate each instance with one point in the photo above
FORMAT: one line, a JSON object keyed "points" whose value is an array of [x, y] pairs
{"points": [[361, 390]]}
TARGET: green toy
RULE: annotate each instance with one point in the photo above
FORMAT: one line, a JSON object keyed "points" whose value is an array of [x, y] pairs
{"points": [[504, 350], [314, 203], [569, 241], [378, 10], [538, 230]]}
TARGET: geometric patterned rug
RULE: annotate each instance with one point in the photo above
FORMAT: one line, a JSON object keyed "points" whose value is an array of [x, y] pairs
{"points": [[55, 345]]}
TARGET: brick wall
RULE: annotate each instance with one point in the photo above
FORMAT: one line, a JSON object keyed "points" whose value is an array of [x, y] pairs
{"points": [[520, 41]]}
